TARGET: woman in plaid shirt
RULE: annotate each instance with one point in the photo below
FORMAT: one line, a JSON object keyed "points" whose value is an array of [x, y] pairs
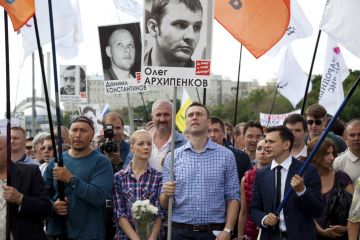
{"points": [[137, 182]]}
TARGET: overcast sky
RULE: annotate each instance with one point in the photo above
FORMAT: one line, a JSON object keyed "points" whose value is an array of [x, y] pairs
{"points": [[225, 54]]}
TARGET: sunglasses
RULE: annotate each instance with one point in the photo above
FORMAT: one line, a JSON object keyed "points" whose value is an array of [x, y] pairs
{"points": [[28, 147], [49, 148], [317, 122]]}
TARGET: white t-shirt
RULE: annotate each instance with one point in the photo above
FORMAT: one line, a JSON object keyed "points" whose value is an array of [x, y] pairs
{"points": [[158, 155]]}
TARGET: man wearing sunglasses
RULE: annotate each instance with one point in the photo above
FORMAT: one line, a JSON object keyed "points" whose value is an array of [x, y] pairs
{"points": [[316, 118], [29, 148]]}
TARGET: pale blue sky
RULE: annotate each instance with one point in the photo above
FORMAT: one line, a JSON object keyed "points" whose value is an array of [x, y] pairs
{"points": [[225, 54]]}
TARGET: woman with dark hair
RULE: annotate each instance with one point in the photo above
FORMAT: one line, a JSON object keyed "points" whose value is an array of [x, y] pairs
{"points": [[247, 229], [330, 182]]}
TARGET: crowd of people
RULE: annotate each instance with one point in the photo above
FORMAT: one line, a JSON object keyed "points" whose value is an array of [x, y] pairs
{"points": [[224, 182]]}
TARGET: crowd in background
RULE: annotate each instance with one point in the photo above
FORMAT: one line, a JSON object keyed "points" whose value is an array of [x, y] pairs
{"points": [[228, 181]]}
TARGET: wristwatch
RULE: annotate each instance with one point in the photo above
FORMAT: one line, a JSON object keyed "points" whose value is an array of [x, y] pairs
{"points": [[229, 231]]}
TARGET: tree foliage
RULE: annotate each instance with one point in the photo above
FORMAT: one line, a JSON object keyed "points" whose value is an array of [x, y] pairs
{"points": [[260, 100]]}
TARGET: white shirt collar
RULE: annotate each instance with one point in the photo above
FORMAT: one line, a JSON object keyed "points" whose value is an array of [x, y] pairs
{"points": [[302, 153], [285, 164], [352, 156]]}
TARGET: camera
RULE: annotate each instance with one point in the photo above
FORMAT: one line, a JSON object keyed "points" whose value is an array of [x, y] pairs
{"points": [[109, 146]]}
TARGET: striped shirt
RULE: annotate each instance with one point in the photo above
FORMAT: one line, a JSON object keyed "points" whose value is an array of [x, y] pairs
{"points": [[205, 181], [127, 190]]}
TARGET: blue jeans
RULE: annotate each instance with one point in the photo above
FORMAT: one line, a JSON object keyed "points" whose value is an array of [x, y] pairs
{"points": [[182, 234]]}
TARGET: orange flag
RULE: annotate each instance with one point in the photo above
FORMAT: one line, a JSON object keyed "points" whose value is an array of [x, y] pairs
{"points": [[257, 24], [20, 11]]}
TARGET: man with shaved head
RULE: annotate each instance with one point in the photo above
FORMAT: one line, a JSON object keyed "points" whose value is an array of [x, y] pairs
{"points": [[121, 51]]}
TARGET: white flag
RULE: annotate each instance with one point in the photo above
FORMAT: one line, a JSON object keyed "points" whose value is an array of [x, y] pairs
{"points": [[67, 27], [131, 7], [335, 72], [341, 22], [299, 27], [292, 79]]}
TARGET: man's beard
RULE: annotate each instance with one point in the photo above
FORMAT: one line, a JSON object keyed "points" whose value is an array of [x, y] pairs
{"points": [[163, 129]]}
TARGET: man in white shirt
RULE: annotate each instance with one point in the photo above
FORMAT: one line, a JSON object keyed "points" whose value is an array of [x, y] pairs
{"points": [[274, 180], [297, 124], [349, 161], [161, 118]]}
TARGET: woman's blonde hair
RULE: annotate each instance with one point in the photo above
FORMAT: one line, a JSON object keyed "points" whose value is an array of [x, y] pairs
{"points": [[136, 133]]}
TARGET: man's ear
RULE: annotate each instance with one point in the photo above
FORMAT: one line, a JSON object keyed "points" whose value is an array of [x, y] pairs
{"points": [[286, 144], [153, 27], [108, 51]]}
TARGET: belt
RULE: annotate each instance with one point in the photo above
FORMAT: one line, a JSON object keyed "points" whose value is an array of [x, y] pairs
{"points": [[199, 228]]}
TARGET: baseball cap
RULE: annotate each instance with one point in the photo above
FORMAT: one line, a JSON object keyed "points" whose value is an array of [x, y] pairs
{"points": [[83, 119]]}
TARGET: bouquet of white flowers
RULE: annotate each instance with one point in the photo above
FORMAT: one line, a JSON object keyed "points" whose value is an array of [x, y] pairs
{"points": [[144, 213]]}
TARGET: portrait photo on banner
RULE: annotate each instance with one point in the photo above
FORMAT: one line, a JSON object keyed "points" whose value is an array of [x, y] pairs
{"points": [[73, 85], [92, 111], [121, 50], [177, 42]]}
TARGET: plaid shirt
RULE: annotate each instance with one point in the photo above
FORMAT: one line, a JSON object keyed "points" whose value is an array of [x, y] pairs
{"points": [[127, 190]]}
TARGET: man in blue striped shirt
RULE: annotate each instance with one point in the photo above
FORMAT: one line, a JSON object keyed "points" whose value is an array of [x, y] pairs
{"points": [[206, 187]]}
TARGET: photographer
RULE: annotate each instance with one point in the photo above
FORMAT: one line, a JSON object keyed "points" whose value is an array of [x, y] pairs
{"points": [[115, 148]]}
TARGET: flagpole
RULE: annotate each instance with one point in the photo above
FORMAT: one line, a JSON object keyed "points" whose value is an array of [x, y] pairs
{"points": [[56, 86], [310, 73], [322, 138], [237, 86], [272, 105], [198, 95], [131, 113], [204, 96], [46, 93], [172, 147], [146, 119], [8, 123], [60, 162], [33, 129]]}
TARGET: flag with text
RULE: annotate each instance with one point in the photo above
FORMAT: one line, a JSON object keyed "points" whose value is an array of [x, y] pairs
{"points": [[299, 27], [257, 24], [331, 93]]}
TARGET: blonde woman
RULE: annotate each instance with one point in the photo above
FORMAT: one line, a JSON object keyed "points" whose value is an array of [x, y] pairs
{"points": [[137, 182]]}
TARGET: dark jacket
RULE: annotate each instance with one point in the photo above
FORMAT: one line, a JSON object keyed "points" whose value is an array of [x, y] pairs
{"points": [[26, 220], [299, 212]]}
